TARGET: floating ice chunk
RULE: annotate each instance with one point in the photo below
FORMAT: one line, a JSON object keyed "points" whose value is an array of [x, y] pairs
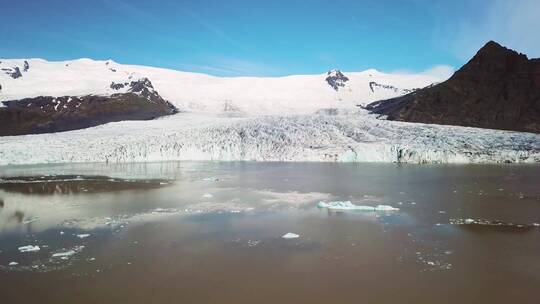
{"points": [[385, 208], [290, 235], [31, 220], [210, 179], [252, 243], [64, 254], [347, 205], [13, 264], [29, 248], [82, 236], [207, 195], [469, 221]]}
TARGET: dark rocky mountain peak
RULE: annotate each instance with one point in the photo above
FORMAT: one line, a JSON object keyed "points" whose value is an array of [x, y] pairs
{"points": [[336, 79], [142, 87], [13, 72], [498, 88], [45, 114]]}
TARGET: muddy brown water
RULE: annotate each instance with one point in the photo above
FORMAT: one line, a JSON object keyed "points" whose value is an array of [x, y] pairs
{"points": [[208, 232]]}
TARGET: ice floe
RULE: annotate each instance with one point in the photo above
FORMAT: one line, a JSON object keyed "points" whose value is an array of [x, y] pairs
{"points": [[29, 248], [493, 224], [210, 179], [68, 253], [290, 235], [30, 220], [348, 205]]}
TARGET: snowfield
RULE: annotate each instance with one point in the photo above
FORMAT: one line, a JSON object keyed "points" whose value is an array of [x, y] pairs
{"points": [[194, 92], [348, 137], [293, 118]]}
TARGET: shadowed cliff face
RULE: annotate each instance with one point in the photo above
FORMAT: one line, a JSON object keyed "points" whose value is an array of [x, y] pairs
{"points": [[498, 89], [46, 114]]}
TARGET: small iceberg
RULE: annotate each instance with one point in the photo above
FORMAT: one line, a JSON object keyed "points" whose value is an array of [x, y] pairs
{"points": [[29, 248], [64, 254], [82, 236], [207, 195], [290, 235], [31, 220], [347, 205], [210, 179], [13, 264]]}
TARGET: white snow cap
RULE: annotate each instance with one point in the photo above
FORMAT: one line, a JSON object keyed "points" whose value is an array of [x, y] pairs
{"points": [[298, 94]]}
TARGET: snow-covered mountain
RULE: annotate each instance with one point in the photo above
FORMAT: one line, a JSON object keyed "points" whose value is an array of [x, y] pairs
{"points": [[245, 118], [298, 94]]}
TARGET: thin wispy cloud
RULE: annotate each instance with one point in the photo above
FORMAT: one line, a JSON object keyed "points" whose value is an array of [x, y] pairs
{"points": [[131, 11], [232, 67], [441, 71], [514, 24], [214, 30]]}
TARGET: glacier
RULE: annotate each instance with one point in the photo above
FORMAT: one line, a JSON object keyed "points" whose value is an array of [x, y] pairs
{"points": [[352, 136], [291, 118]]}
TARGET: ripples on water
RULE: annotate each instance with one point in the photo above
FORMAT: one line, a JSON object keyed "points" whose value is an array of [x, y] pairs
{"points": [[204, 231]]}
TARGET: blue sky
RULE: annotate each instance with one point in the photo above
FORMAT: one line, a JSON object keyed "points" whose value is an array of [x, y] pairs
{"points": [[268, 38]]}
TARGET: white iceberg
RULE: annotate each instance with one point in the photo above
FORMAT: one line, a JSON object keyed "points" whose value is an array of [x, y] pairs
{"points": [[210, 179], [82, 236], [385, 208], [68, 253], [207, 195], [348, 205], [64, 254], [29, 248], [290, 235], [30, 220], [13, 264]]}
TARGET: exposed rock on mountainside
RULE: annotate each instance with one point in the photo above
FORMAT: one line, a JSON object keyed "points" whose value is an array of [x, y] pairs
{"points": [[44, 114], [373, 85], [336, 79], [498, 89], [13, 72]]}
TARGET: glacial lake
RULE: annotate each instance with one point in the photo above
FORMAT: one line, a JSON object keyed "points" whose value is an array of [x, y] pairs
{"points": [[212, 232]]}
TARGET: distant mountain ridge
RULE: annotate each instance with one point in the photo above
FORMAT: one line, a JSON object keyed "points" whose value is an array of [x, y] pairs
{"points": [[498, 88], [194, 92], [47, 114]]}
